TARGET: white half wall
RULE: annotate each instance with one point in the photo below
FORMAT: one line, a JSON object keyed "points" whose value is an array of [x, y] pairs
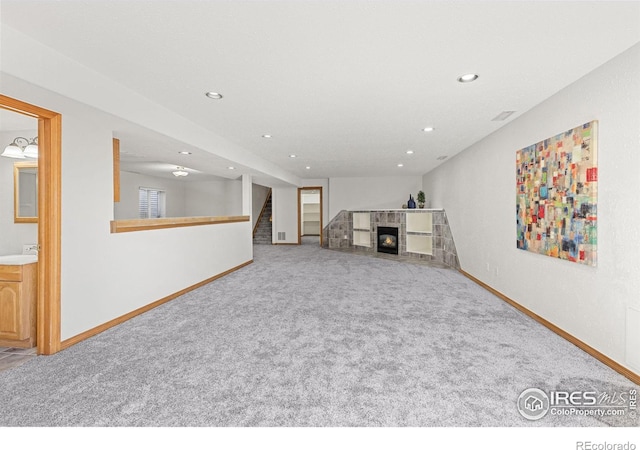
{"points": [[371, 192], [105, 275], [477, 189]]}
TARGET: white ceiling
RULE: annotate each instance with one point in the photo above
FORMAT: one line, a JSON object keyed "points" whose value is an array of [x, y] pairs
{"points": [[347, 86]]}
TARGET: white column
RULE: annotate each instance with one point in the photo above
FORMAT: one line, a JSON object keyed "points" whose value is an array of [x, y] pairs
{"points": [[247, 198]]}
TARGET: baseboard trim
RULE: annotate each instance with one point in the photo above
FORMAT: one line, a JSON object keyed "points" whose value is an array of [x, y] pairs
{"points": [[559, 331], [118, 320]]}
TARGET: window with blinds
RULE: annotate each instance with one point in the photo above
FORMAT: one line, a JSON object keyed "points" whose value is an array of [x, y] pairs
{"points": [[151, 204]]}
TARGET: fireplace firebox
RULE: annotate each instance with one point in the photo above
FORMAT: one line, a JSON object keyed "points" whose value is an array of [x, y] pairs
{"points": [[388, 240]]}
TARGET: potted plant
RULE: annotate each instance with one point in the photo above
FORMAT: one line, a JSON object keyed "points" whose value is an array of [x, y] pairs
{"points": [[421, 199]]}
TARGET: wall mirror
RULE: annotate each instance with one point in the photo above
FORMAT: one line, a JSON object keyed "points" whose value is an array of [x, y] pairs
{"points": [[25, 192]]}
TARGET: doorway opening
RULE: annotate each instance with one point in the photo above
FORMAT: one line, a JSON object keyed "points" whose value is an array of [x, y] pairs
{"points": [[49, 223], [310, 215]]}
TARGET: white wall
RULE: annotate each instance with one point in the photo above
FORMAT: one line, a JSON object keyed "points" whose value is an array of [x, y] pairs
{"points": [[285, 214], [107, 275], [371, 192], [213, 198], [127, 207], [219, 197], [13, 235], [477, 189]]}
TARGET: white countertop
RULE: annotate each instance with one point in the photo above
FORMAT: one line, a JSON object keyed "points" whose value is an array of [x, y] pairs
{"points": [[18, 260]]}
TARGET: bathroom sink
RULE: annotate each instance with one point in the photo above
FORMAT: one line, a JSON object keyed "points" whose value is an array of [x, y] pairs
{"points": [[18, 260]]}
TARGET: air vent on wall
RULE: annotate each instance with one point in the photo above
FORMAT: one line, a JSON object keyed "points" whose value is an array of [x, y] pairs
{"points": [[504, 115], [282, 235]]}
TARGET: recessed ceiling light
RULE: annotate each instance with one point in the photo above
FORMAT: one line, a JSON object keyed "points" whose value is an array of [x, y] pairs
{"points": [[231, 168], [400, 165], [292, 156], [308, 167], [185, 153], [428, 129], [468, 78], [266, 136], [214, 95], [409, 152]]}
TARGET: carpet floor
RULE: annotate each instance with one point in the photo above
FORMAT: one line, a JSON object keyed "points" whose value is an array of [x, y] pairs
{"points": [[311, 337]]}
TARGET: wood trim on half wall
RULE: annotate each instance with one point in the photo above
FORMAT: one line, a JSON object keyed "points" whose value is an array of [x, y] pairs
{"points": [[49, 220]]}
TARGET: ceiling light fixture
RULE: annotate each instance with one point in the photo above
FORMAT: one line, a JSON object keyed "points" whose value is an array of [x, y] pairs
{"points": [[213, 95], [22, 148], [185, 153], [400, 165], [292, 156], [180, 172], [231, 168], [467, 78], [308, 167], [409, 152], [267, 136], [428, 129]]}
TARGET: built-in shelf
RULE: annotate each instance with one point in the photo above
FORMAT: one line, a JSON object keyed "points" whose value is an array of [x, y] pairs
{"points": [[311, 219], [419, 236], [361, 221], [362, 229]]}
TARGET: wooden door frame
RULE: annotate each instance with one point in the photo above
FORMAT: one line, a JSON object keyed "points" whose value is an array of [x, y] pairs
{"points": [[308, 188], [49, 220]]}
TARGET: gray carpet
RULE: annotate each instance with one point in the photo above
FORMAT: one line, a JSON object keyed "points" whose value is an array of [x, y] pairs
{"points": [[311, 337]]}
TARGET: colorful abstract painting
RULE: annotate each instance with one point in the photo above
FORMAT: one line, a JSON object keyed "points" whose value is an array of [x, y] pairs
{"points": [[556, 196]]}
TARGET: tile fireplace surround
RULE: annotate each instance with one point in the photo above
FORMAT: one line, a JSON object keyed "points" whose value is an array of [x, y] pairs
{"points": [[339, 233]]}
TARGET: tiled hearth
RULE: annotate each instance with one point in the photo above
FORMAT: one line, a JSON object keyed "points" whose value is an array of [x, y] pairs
{"points": [[339, 234]]}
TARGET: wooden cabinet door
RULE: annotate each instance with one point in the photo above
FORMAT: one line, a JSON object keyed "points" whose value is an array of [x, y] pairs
{"points": [[14, 313]]}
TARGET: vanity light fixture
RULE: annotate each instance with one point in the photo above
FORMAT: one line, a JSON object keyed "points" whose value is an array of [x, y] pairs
{"points": [[180, 172], [22, 148], [213, 95], [31, 150], [467, 78]]}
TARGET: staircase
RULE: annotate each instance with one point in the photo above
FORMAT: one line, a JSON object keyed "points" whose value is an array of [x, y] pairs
{"points": [[262, 231]]}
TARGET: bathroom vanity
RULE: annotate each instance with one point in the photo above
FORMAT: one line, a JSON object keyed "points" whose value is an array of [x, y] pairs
{"points": [[18, 298]]}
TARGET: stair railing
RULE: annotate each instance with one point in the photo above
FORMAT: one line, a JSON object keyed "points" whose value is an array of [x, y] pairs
{"points": [[264, 206]]}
